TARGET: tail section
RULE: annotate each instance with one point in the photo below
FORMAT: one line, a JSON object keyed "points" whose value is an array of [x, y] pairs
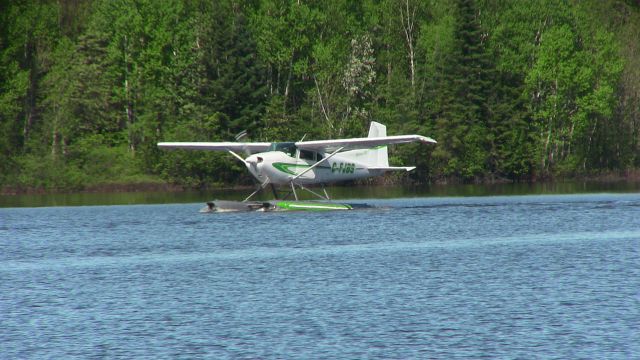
{"points": [[378, 156]]}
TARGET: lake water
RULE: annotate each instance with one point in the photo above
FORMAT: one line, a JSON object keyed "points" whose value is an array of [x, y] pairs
{"points": [[527, 276]]}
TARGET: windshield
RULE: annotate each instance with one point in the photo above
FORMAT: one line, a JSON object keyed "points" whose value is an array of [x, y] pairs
{"points": [[288, 148]]}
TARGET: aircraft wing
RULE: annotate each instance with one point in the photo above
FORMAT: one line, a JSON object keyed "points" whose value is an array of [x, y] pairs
{"points": [[360, 143], [217, 146]]}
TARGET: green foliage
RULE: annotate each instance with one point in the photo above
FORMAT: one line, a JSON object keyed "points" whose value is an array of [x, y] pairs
{"points": [[512, 90], [37, 172]]}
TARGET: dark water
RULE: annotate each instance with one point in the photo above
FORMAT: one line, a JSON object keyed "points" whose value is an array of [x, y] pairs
{"points": [[547, 276], [336, 192]]}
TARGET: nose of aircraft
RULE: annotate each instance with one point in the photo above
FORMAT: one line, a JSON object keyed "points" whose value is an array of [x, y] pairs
{"points": [[254, 159], [252, 163]]}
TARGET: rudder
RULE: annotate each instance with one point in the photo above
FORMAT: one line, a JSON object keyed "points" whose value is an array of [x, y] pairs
{"points": [[377, 156]]}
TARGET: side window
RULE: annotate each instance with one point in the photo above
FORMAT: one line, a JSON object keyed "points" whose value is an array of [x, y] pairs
{"points": [[307, 155], [319, 157]]}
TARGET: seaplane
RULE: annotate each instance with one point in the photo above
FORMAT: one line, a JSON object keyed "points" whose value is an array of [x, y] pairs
{"points": [[305, 163]]}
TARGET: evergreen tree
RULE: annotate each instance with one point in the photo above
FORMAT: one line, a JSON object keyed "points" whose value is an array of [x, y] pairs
{"points": [[237, 86], [463, 126]]}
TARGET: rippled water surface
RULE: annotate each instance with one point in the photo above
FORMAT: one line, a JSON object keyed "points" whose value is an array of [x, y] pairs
{"points": [[552, 276]]}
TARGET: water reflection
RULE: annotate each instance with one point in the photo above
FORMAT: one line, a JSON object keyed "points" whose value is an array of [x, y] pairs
{"points": [[336, 192]]}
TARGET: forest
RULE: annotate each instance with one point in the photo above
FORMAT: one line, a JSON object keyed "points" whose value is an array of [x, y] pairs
{"points": [[511, 90]]}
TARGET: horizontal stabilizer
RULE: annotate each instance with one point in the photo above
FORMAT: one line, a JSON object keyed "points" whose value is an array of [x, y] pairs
{"points": [[393, 168]]}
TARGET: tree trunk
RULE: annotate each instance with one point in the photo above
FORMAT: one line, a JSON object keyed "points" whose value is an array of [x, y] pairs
{"points": [[55, 136], [546, 149], [593, 130], [29, 104], [324, 110], [128, 101], [408, 26], [286, 88]]}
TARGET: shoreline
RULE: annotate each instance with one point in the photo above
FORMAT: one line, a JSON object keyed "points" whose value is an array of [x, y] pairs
{"points": [[629, 176], [115, 188]]}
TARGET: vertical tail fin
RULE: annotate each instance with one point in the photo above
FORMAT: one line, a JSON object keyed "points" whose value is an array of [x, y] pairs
{"points": [[377, 156]]}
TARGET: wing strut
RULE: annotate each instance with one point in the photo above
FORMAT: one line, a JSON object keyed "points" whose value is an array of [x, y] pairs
{"points": [[237, 156]]}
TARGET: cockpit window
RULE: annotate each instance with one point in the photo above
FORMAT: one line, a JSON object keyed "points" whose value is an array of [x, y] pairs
{"points": [[307, 155], [288, 148]]}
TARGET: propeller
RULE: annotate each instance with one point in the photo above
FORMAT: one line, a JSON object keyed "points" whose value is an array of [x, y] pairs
{"points": [[251, 162], [241, 137]]}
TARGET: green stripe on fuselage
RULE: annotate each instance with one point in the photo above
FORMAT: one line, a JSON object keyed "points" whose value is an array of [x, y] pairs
{"points": [[286, 167]]}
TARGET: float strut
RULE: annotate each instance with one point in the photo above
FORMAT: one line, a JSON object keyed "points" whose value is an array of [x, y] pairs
{"points": [[293, 189], [325, 192], [275, 192]]}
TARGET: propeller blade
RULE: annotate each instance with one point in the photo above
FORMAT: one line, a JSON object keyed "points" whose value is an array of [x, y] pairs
{"points": [[242, 134], [240, 137]]}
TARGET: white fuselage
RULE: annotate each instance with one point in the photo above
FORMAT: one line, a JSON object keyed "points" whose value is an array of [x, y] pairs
{"points": [[280, 168]]}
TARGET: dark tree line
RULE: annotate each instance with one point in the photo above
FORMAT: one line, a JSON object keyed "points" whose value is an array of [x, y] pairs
{"points": [[512, 90]]}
